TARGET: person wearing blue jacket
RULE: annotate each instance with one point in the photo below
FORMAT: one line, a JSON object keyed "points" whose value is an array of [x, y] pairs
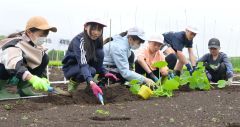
{"points": [[119, 50], [218, 65], [84, 57], [175, 42]]}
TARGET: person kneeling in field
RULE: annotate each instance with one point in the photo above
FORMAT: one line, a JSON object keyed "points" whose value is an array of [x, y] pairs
{"points": [[84, 58], [119, 56], [23, 59], [218, 66], [175, 42], [151, 54]]}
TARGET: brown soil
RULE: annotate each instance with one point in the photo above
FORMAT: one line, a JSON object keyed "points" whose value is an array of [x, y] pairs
{"points": [[215, 108]]}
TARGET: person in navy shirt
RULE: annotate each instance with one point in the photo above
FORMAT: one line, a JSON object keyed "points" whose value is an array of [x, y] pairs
{"points": [[175, 42], [84, 57]]}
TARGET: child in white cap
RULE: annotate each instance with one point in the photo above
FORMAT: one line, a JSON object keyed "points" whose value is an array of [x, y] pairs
{"points": [[175, 42], [151, 54]]}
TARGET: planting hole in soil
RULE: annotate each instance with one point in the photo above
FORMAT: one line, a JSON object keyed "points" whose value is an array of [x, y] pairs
{"points": [[108, 118]]}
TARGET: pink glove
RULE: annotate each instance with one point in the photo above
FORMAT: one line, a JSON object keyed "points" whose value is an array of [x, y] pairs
{"points": [[111, 76], [95, 88]]}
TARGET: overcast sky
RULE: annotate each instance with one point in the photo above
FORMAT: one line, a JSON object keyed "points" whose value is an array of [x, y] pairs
{"points": [[214, 18]]}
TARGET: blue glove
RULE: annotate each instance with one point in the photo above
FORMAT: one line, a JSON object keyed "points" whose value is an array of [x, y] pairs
{"points": [[189, 68], [153, 77], [170, 75]]}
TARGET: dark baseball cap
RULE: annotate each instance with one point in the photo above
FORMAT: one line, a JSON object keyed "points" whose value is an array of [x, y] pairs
{"points": [[214, 43]]}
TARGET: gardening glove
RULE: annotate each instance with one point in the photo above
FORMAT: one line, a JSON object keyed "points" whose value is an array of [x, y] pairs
{"points": [[153, 77], [95, 88], [189, 68], [229, 81], [39, 83], [170, 75], [111, 76], [149, 82]]}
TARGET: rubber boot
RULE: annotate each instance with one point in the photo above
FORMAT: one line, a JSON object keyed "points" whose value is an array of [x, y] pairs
{"points": [[25, 89], [72, 86], [4, 93]]}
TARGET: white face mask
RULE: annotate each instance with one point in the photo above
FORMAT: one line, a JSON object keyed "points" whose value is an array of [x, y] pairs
{"points": [[134, 46], [40, 40]]}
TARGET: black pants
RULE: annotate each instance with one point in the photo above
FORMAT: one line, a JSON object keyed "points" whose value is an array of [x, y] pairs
{"points": [[171, 59], [218, 74], [140, 70], [39, 71]]}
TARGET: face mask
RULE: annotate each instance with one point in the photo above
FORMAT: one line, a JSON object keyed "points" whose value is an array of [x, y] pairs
{"points": [[134, 46], [40, 41]]}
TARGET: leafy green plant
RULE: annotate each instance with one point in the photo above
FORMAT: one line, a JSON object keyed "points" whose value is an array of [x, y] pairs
{"points": [[198, 80], [222, 84], [166, 86], [159, 65], [135, 87]]}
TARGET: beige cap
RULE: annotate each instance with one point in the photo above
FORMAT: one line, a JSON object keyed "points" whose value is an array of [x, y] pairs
{"points": [[39, 23]]}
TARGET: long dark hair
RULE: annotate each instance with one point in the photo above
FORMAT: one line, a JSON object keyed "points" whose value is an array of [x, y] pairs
{"points": [[111, 39], [90, 45]]}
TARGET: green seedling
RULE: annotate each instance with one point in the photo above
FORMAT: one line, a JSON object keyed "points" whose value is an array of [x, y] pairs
{"points": [[159, 65], [135, 87], [8, 107], [102, 112], [222, 84]]}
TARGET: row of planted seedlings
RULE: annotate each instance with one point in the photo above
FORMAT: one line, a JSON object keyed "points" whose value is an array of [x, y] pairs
{"points": [[166, 86]]}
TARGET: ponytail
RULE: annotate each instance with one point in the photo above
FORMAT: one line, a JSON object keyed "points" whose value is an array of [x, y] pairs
{"points": [[111, 39]]}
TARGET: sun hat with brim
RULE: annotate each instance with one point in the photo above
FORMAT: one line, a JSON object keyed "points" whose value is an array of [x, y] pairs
{"points": [[137, 32], [192, 29], [96, 20], [156, 38], [214, 43], [39, 23]]}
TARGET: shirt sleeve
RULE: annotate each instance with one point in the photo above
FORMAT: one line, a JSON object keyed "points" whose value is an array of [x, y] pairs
{"points": [[80, 54], [203, 58], [227, 62], [12, 59], [120, 58]]}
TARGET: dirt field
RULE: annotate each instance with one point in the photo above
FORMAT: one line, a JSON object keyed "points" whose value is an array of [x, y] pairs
{"points": [[215, 108]]}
